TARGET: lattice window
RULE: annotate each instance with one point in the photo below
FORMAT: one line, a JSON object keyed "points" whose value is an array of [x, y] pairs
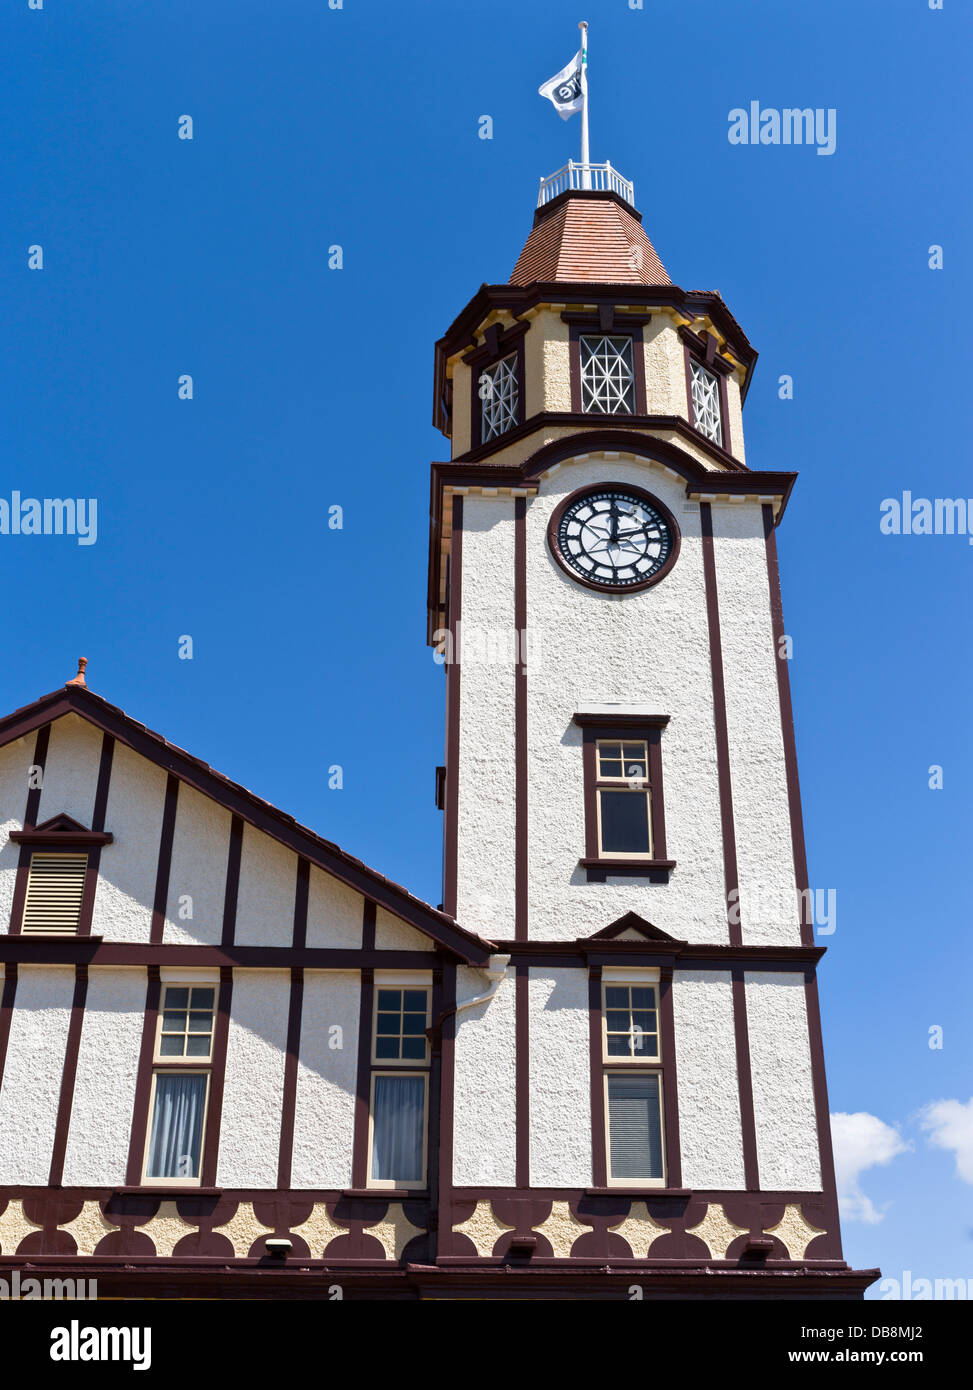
{"points": [[706, 402], [607, 376], [499, 398], [55, 888]]}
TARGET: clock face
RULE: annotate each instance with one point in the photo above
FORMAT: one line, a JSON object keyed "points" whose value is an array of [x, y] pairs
{"points": [[614, 538]]}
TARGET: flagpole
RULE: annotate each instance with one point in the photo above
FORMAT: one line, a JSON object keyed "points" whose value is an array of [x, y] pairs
{"points": [[585, 159]]}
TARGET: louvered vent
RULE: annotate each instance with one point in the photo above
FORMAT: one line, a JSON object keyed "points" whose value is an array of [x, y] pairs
{"points": [[54, 891]]}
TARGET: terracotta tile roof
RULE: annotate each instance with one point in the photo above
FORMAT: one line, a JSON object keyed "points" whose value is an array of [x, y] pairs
{"points": [[585, 239]]}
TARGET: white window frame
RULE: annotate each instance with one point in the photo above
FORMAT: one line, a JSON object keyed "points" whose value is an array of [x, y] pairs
{"points": [[707, 402], [595, 398], [398, 1183], [613, 1060], [147, 1180], [633, 786], [500, 405]]}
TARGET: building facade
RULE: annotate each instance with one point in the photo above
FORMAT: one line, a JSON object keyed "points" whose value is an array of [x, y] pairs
{"points": [[235, 1061]]}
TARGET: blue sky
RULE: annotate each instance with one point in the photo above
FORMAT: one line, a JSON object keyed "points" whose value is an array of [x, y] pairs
{"points": [[312, 387]]}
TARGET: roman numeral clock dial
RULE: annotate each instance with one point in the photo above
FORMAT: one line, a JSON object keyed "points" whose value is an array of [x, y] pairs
{"points": [[614, 538]]}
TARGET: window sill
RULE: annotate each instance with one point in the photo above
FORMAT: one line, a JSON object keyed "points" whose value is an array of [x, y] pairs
{"points": [[388, 1193], [161, 1189], [57, 937], [637, 1192], [655, 870]]}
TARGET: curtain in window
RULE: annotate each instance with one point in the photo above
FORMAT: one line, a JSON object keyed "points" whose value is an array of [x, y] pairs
{"points": [[634, 1126], [397, 1128], [177, 1126]]}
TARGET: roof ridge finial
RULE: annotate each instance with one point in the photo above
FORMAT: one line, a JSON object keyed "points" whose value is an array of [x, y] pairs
{"points": [[79, 678]]}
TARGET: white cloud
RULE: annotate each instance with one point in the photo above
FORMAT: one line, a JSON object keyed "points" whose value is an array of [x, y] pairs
{"points": [[861, 1141], [949, 1124]]}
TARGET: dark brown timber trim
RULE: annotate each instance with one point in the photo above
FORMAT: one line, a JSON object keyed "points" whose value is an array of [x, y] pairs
{"points": [[6, 1012], [741, 1033], [359, 1161], [41, 745], [143, 1083], [521, 783], [819, 1082], [368, 925], [232, 881], [295, 1010], [730, 874], [451, 862], [787, 727], [599, 1141], [522, 1075], [68, 1076], [301, 894], [440, 1137], [165, 861], [670, 1096], [215, 1112]]}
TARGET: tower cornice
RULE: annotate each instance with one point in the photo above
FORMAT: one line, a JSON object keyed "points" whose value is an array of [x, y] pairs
{"points": [[689, 306]]}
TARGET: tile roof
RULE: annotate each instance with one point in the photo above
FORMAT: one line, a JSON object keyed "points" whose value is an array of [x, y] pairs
{"points": [[586, 238]]}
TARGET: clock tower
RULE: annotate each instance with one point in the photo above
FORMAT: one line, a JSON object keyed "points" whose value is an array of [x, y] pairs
{"points": [[645, 1086]]}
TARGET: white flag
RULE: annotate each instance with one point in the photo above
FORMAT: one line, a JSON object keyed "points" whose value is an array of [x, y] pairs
{"points": [[564, 90]]}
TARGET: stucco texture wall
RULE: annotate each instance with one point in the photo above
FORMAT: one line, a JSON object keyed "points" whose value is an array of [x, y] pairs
{"points": [[650, 649], [560, 1084], [783, 1091], [253, 1089], [128, 867], [324, 1114], [484, 1117], [200, 848], [769, 911], [486, 764], [32, 1074], [710, 1133], [104, 1088]]}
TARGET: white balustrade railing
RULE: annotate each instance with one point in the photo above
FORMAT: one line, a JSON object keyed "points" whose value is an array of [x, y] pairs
{"points": [[601, 178]]}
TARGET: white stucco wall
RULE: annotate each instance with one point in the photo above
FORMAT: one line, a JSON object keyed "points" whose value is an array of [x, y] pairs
{"points": [[71, 770], [560, 1082], [392, 934], [104, 1088], [783, 1093], [128, 869], [15, 759], [268, 884], [200, 846], [485, 1107], [710, 1133], [650, 649], [324, 1112], [253, 1092], [765, 860], [334, 912], [485, 901], [32, 1074]]}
